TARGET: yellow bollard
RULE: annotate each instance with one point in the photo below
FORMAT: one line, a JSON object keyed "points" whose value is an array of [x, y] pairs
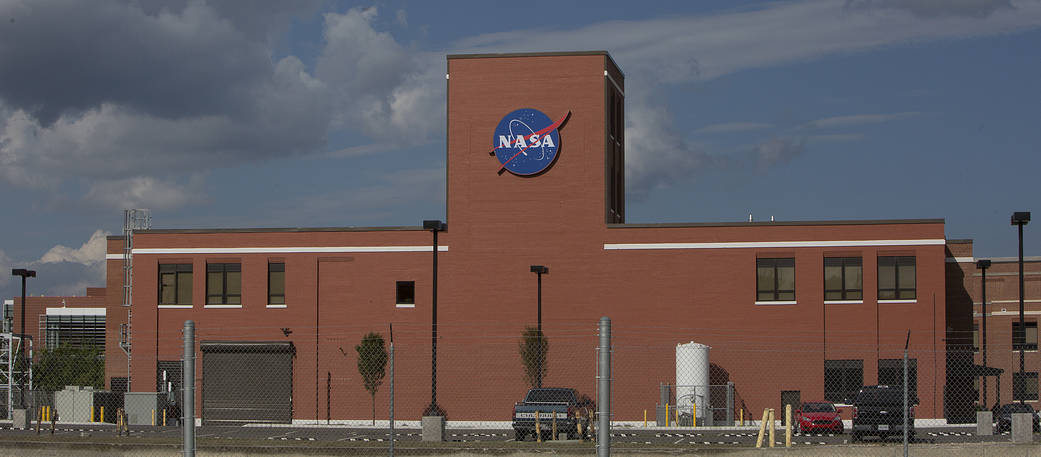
{"points": [[153, 417], [788, 425], [773, 425], [92, 413], [645, 418], [742, 417], [538, 428], [554, 429], [102, 418], [676, 411], [694, 414], [666, 414], [762, 428], [164, 417]]}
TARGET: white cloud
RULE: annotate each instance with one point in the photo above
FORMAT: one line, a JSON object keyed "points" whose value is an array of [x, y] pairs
{"points": [[90, 253], [732, 127], [859, 119]]}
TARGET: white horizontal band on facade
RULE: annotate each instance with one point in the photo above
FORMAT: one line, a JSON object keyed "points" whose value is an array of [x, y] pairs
{"points": [[774, 244], [961, 260], [75, 311], [776, 302], [276, 306], [223, 306], [175, 306], [897, 301], [843, 302], [281, 250], [1009, 313]]}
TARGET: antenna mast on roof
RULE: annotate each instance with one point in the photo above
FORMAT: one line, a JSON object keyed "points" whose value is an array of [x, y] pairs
{"points": [[133, 219]]}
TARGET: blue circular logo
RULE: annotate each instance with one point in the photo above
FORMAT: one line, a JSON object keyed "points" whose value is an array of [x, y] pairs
{"points": [[526, 141]]}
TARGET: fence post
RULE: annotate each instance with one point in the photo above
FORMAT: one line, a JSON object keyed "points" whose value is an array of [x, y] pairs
{"points": [[603, 430], [189, 389]]}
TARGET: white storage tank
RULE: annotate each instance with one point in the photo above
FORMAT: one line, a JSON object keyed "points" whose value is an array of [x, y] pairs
{"points": [[692, 381]]}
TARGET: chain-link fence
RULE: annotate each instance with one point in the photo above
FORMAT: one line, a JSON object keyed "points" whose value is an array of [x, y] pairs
{"points": [[506, 386]]}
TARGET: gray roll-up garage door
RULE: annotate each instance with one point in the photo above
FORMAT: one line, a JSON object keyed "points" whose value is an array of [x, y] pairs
{"points": [[245, 382]]}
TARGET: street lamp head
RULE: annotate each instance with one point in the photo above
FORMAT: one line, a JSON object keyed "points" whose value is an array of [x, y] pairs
{"points": [[435, 225], [539, 269], [983, 264], [23, 272], [1020, 217]]}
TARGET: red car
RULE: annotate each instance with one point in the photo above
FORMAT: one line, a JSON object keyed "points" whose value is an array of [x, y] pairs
{"points": [[818, 417]]}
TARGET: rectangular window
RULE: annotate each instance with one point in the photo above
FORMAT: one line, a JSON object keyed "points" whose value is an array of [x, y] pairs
{"points": [[842, 379], [406, 294], [223, 283], [276, 283], [175, 284], [1024, 386], [775, 279], [891, 373], [896, 278], [843, 278], [77, 331], [1028, 341]]}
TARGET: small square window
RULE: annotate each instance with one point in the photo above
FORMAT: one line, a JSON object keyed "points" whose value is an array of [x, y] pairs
{"points": [[406, 293], [896, 278], [775, 279], [1027, 341], [843, 278]]}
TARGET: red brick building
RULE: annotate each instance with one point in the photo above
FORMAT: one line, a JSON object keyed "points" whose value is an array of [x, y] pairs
{"points": [[814, 308], [965, 282]]}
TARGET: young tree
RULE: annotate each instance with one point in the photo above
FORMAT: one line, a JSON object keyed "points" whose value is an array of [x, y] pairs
{"points": [[372, 364], [69, 366], [533, 347]]}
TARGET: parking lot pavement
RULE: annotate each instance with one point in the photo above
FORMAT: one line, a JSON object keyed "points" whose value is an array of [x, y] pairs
{"points": [[656, 437]]}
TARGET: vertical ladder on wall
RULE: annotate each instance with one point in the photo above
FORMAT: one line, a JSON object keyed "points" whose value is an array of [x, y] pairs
{"points": [[133, 219]]}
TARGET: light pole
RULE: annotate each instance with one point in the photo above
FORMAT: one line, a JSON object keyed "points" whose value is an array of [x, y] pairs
{"points": [[983, 265], [539, 270], [1021, 218], [24, 273], [435, 226]]}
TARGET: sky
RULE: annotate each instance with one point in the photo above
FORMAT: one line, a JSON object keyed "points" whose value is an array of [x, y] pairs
{"points": [[331, 113]]}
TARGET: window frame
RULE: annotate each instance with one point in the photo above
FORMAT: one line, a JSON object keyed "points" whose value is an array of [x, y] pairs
{"points": [[898, 292], [223, 268], [176, 270], [276, 267], [406, 303], [775, 263], [844, 293]]}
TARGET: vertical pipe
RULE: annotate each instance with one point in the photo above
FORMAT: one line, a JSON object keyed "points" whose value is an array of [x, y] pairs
{"points": [[1022, 329], [538, 382], [188, 382], [603, 430], [788, 425]]}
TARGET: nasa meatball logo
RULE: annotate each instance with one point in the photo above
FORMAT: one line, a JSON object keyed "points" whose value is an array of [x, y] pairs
{"points": [[527, 141]]}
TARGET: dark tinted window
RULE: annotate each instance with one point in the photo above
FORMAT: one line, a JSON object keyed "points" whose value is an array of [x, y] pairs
{"points": [[883, 395], [818, 408]]}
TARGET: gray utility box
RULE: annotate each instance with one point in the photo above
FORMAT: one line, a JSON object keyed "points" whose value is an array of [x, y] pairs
{"points": [[140, 406], [73, 404]]}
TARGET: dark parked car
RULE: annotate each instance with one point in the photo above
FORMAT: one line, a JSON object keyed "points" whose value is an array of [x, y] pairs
{"points": [[879, 411], [1003, 416], [818, 416]]}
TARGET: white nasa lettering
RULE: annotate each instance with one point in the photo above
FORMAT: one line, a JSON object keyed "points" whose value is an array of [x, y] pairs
{"points": [[520, 142], [504, 141], [534, 140], [547, 141]]}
